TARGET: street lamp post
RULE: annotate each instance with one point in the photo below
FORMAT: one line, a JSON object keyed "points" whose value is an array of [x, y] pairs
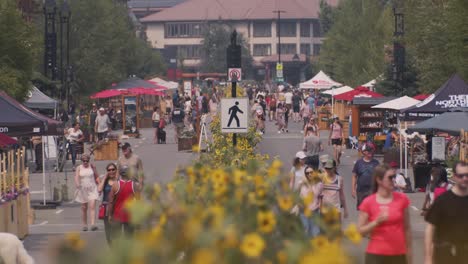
{"points": [[65, 14], [50, 39], [278, 31]]}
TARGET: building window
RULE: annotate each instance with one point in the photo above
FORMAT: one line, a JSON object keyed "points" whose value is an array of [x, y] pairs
{"points": [[186, 51], [262, 49], [261, 29], [305, 49], [288, 29], [288, 49], [317, 49], [183, 30], [316, 28], [305, 29]]}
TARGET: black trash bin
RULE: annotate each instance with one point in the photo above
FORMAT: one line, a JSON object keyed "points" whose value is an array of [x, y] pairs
{"points": [[422, 175]]}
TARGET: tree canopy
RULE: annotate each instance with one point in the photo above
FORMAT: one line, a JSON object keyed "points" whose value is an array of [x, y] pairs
{"points": [[353, 51], [18, 50], [216, 39], [105, 48], [435, 38]]}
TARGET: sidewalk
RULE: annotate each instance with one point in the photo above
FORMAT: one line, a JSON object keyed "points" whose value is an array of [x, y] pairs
{"points": [[159, 163]]}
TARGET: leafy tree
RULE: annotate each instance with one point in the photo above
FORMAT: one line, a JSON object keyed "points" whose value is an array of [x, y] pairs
{"points": [[436, 35], [216, 39], [406, 86], [353, 51], [105, 48], [325, 16], [18, 49]]}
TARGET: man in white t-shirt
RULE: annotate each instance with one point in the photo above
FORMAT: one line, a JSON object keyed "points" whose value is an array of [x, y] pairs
{"points": [[288, 98], [102, 125]]}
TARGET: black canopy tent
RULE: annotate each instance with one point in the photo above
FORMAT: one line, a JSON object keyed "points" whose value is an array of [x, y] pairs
{"points": [[17, 120], [38, 100], [450, 122], [452, 94]]}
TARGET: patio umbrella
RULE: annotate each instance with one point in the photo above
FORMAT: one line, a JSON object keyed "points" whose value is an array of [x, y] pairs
{"points": [[135, 82], [451, 122], [107, 94], [6, 140], [145, 91], [360, 91]]}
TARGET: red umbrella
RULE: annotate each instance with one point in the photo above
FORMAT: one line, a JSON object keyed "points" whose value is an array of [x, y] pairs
{"points": [[145, 91], [6, 140], [421, 97], [360, 91], [107, 94]]}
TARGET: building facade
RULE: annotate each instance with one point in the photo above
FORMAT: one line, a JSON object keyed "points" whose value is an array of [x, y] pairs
{"points": [[181, 28]]}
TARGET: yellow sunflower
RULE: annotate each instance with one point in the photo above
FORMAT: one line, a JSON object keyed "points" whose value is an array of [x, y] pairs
{"points": [[252, 245], [285, 203], [266, 221], [74, 241], [204, 256], [353, 234]]}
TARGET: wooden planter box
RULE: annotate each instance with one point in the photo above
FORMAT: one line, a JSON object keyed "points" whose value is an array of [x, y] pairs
{"points": [[23, 215], [186, 144], [12, 217], [4, 217], [107, 151]]}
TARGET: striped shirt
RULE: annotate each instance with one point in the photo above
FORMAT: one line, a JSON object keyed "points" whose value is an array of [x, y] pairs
{"points": [[331, 192]]}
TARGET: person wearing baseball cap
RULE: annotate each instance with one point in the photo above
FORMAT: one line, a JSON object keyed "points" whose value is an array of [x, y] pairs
{"points": [[333, 189], [133, 162], [102, 124], [362, 173], [297, 170]]}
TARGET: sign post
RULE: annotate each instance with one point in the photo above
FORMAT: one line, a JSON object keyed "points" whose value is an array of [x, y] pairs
{"points": [[279, 72], [234, 70]]}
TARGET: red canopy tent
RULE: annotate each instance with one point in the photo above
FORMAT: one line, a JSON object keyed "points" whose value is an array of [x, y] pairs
{"points": [[360, 91], [107, 94], [421, 97], [6, 140]]}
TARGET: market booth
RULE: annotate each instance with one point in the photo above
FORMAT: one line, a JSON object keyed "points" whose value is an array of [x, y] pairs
{"points": [[321, 81], [17, 120], [452, 95]]}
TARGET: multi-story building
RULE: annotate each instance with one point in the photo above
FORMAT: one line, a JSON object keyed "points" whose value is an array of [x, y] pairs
{"points": [[142, 8], [181, 27]]}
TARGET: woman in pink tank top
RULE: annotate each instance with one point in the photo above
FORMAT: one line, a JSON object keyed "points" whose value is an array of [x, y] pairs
{"points": [[122, 192], [336, 138]]}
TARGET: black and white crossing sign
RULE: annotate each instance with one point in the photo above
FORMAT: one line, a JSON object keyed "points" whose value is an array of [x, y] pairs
{"points": [[234, 115], [235, 74]]}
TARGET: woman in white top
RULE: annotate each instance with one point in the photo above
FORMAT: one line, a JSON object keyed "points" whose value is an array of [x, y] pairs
{"points": [[156, 117], [333, 194], [297, 171], [74, 136], [86, 180], [213, 104]]}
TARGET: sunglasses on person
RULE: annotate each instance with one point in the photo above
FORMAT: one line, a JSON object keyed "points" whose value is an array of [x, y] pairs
{"points": [[85, 160], [461, 175], [111, 170], [309, 172], [392, 177]]}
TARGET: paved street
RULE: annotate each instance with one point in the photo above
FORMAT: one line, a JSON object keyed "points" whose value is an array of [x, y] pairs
{"points": [[285, 147], [159, 162]]}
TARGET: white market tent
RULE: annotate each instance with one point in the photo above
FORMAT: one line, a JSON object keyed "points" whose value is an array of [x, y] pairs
{"points": [[337, 91], [321, 81], [370, 84], [168, 84], [399, 104]]}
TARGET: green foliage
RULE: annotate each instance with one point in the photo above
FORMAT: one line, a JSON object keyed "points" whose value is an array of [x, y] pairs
{"points": [[216, 39], [353, 51], [407, 86], [104, 46], [325, 16], [436, 36], [18, 48]]}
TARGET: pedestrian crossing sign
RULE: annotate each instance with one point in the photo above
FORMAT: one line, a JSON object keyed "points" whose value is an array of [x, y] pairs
{"points": [[234, 115]]}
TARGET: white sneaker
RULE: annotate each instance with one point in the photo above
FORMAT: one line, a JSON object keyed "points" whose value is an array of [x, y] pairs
{"points": [[279, 132], [302, 132]]}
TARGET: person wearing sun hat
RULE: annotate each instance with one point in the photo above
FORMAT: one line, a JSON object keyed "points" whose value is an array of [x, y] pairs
{"points": [[362, 173], [102, 124], [297, 171]]}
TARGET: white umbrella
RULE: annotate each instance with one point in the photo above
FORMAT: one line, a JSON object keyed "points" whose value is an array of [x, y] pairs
{"points": [[337, 91]]}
